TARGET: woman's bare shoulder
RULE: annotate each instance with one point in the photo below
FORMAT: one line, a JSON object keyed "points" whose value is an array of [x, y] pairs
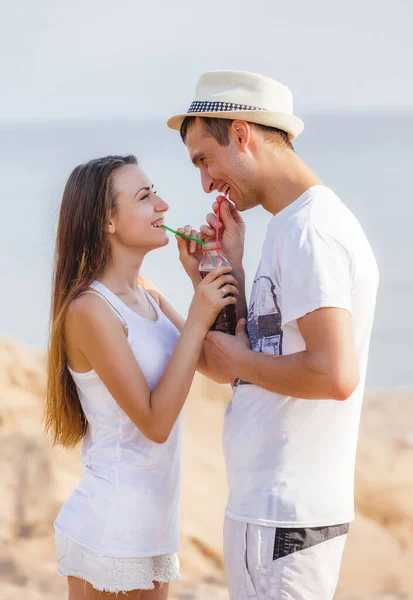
{"points": [[150, 288]]}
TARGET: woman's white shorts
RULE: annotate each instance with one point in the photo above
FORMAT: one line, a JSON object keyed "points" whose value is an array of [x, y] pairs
{"points": [[110, 573]]}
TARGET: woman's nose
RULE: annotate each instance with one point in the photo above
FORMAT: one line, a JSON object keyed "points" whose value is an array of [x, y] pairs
{"points": [[161, 205]]}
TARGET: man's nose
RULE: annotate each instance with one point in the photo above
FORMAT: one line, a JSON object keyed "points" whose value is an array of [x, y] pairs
{"points": [[208, 183]]}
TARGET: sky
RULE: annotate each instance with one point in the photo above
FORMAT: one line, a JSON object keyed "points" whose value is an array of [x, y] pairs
{"points": [[98, 59]]}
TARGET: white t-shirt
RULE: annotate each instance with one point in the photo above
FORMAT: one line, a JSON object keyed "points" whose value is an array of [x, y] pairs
{"points": [[290, 461]]}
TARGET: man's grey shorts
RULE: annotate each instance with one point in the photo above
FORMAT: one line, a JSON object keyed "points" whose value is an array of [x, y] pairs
{"points": [[282, 564]]}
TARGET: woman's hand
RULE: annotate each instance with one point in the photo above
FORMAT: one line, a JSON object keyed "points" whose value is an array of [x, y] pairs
{"points": [[190, 253], [211, 296]]}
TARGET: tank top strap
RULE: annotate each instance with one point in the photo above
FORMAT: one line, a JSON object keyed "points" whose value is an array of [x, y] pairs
{"points": [[123, 309], [154, 304], [113, 301]]}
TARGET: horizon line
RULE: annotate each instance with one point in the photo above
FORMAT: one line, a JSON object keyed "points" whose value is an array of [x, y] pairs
{"points": [[327, 111]]}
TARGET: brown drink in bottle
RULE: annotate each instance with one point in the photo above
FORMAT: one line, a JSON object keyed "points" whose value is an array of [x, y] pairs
{"points": [[213, 256]]}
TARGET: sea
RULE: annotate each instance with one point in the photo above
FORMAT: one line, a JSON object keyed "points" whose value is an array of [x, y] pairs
{"points": [[365, 157]]}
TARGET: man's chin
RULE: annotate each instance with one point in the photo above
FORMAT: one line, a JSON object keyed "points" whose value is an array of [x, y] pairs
{"points": [[243, 206], [245, 202]]}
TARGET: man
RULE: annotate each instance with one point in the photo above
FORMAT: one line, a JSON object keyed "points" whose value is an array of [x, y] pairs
{"points": [[290, 431]]}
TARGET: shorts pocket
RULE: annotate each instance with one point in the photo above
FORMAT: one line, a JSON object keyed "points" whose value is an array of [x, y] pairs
{"points": [[61, 541], [290, 540], [249, 585]]}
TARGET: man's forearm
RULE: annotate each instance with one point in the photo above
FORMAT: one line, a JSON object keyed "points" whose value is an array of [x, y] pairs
{"points": [[210, 368], [239, 274], [300, 375], [206, 365]]}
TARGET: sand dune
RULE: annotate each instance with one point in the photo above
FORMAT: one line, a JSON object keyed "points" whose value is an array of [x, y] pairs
{"points": [[36, 479]]}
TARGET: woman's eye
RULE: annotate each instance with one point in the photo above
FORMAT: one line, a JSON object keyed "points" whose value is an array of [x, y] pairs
{"points": [[146, 196]]}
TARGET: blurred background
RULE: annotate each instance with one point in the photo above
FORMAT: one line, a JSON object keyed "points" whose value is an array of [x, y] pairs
{"points": [[89, 78]]}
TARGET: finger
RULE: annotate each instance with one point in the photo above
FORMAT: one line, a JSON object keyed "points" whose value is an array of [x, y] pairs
{"points": [[207, 232], [224, 279], [241, 327], [227, 219], [219, 200], [228, 279], [182, 249], [216, 273], [192, 244], [181, 241], [229, 207], [230, 289], [202, 233], [227, 300], [187, 231], [226, 216], [182, 244], [236, 215], [211, 220]]}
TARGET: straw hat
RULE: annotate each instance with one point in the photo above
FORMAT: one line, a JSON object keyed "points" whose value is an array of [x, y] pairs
{"points": [[246, 96]]}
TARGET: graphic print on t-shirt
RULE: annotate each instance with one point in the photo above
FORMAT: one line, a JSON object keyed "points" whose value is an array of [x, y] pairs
{"points": [[264, 320]]}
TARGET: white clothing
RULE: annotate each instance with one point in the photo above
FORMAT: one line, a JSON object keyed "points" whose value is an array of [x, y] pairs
{"points": [[265, 563], [110, 573], [128, 502], [290, 461]]}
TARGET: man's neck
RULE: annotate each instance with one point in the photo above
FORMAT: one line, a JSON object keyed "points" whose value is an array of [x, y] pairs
{"points": [[285, 181]]}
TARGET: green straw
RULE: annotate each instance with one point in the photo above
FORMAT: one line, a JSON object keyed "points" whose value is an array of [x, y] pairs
{"points": [[187, 237]]}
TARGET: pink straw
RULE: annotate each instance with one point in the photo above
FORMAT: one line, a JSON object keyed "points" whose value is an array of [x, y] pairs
{"points": [[217, 225], [217, 221]]}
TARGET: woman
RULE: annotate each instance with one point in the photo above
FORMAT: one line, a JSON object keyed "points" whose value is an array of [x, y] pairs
{"points": [[121, 362]]}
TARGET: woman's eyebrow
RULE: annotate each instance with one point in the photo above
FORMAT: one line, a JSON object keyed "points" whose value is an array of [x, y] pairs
{"points": [[144, 188]]}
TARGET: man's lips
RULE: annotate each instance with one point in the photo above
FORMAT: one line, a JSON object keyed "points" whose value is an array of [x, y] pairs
{"points": [[225, 190]]}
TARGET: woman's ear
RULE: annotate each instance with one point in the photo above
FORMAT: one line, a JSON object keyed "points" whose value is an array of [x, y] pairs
{"points": [[111, 227]]}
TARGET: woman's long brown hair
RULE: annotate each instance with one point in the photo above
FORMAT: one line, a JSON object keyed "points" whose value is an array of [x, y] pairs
{"points": [[82, 253]]}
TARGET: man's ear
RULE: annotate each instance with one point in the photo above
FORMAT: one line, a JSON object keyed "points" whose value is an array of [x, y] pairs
{"points": [[242, 133]]}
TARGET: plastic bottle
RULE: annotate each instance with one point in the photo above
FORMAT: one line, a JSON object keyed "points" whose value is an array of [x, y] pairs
{"points": [[213, 256]]}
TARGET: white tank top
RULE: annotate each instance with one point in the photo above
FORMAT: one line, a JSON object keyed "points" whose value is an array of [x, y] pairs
{"points": [[128, 501]]}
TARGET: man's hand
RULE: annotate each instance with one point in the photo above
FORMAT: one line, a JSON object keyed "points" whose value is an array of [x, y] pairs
{"points": [[224, 350], [231, 231]]}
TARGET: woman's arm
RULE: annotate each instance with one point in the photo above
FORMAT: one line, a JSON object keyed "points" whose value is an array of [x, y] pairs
{"points": [[209, 371], [94, 330], [232, 231]]}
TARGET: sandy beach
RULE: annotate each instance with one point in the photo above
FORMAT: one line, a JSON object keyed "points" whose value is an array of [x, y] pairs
{"points": [[37, 478]]}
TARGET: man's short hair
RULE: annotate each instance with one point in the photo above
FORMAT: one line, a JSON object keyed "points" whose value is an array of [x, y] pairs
{"points": [[219, 129]]}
